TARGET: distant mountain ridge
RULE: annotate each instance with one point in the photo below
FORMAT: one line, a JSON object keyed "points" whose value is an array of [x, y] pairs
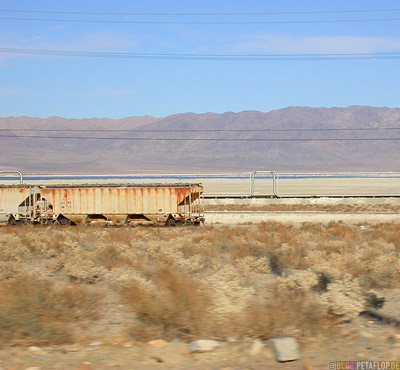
{"points": [[106, 156]]}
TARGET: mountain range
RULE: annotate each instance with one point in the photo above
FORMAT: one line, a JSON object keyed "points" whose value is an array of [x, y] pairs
{"points": [[290, 150]]}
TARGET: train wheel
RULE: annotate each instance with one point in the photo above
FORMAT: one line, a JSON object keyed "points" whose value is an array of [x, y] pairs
{"points": [[170, 222]]}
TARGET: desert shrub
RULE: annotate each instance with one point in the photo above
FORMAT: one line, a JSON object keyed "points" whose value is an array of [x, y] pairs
{"points": [[342, 298], [258, 281], [222, 305], [345, 299], [10, 269], [34, 311], [285, 313], [176, 307], [83, 270], [110, 257], [302, 281]]}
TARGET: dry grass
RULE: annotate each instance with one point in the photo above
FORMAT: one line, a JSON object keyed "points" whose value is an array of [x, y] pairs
{"points": [[36, 311], [258, 281], [177, 307]]}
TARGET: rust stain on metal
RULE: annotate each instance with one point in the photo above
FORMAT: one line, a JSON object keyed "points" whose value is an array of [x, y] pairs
{"points": [[114, 200], [126, 201], [86, 200]]}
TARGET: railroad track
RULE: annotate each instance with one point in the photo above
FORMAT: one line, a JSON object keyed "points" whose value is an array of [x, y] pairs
{"points": [[254, 217]]}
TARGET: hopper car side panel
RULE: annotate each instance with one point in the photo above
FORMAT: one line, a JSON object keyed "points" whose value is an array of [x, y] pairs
{"points": [[10, 200], [115, 200], [111, 203]]}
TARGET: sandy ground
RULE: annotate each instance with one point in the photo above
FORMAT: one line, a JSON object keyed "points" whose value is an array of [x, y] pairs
{"points": [[357, 211], [364, 340], [248, 217]]}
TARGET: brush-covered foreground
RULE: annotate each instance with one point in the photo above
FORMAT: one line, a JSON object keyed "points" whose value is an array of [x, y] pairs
{"points": [[77, 285]]}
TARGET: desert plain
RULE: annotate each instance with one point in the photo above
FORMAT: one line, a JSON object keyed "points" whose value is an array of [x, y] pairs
{"points": [[137, 298]]}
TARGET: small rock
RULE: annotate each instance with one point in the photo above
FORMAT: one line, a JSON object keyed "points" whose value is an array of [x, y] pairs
{"points": [[63, 351], [203, 345], [94, 348], [346, 332], [176, 340], [158, 359], [285, 349], [128, 345], [158, 343], [366, 334], [308, 366], [96, 344], [256, 347], [84, 366], [36, 350]]}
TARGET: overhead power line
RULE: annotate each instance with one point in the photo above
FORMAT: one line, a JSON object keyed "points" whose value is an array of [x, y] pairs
{"points": [[199, 22], [242, 57], [202, 13], [201, 130], [195, 139]]}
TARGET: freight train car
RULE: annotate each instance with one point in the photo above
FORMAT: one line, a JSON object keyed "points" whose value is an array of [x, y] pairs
{"points": [[162, 204]]}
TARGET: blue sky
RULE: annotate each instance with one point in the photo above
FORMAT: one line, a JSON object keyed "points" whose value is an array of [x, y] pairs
{"points": [[43, 86]]}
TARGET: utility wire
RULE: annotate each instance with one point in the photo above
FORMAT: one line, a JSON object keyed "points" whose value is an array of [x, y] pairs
{"points": [[195, 139], [202, 14], [202, 130], [199, 22], [239, 57]]}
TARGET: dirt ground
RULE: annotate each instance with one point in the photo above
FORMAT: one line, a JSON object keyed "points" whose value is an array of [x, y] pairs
{"points": [[365, 340], [80, 280], [358, 211]]}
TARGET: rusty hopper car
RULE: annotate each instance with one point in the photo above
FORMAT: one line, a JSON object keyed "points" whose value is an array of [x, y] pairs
{"points": [[163, 204]]}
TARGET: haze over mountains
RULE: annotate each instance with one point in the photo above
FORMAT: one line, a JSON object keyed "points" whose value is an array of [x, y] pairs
{"points": [[111, 156]]}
